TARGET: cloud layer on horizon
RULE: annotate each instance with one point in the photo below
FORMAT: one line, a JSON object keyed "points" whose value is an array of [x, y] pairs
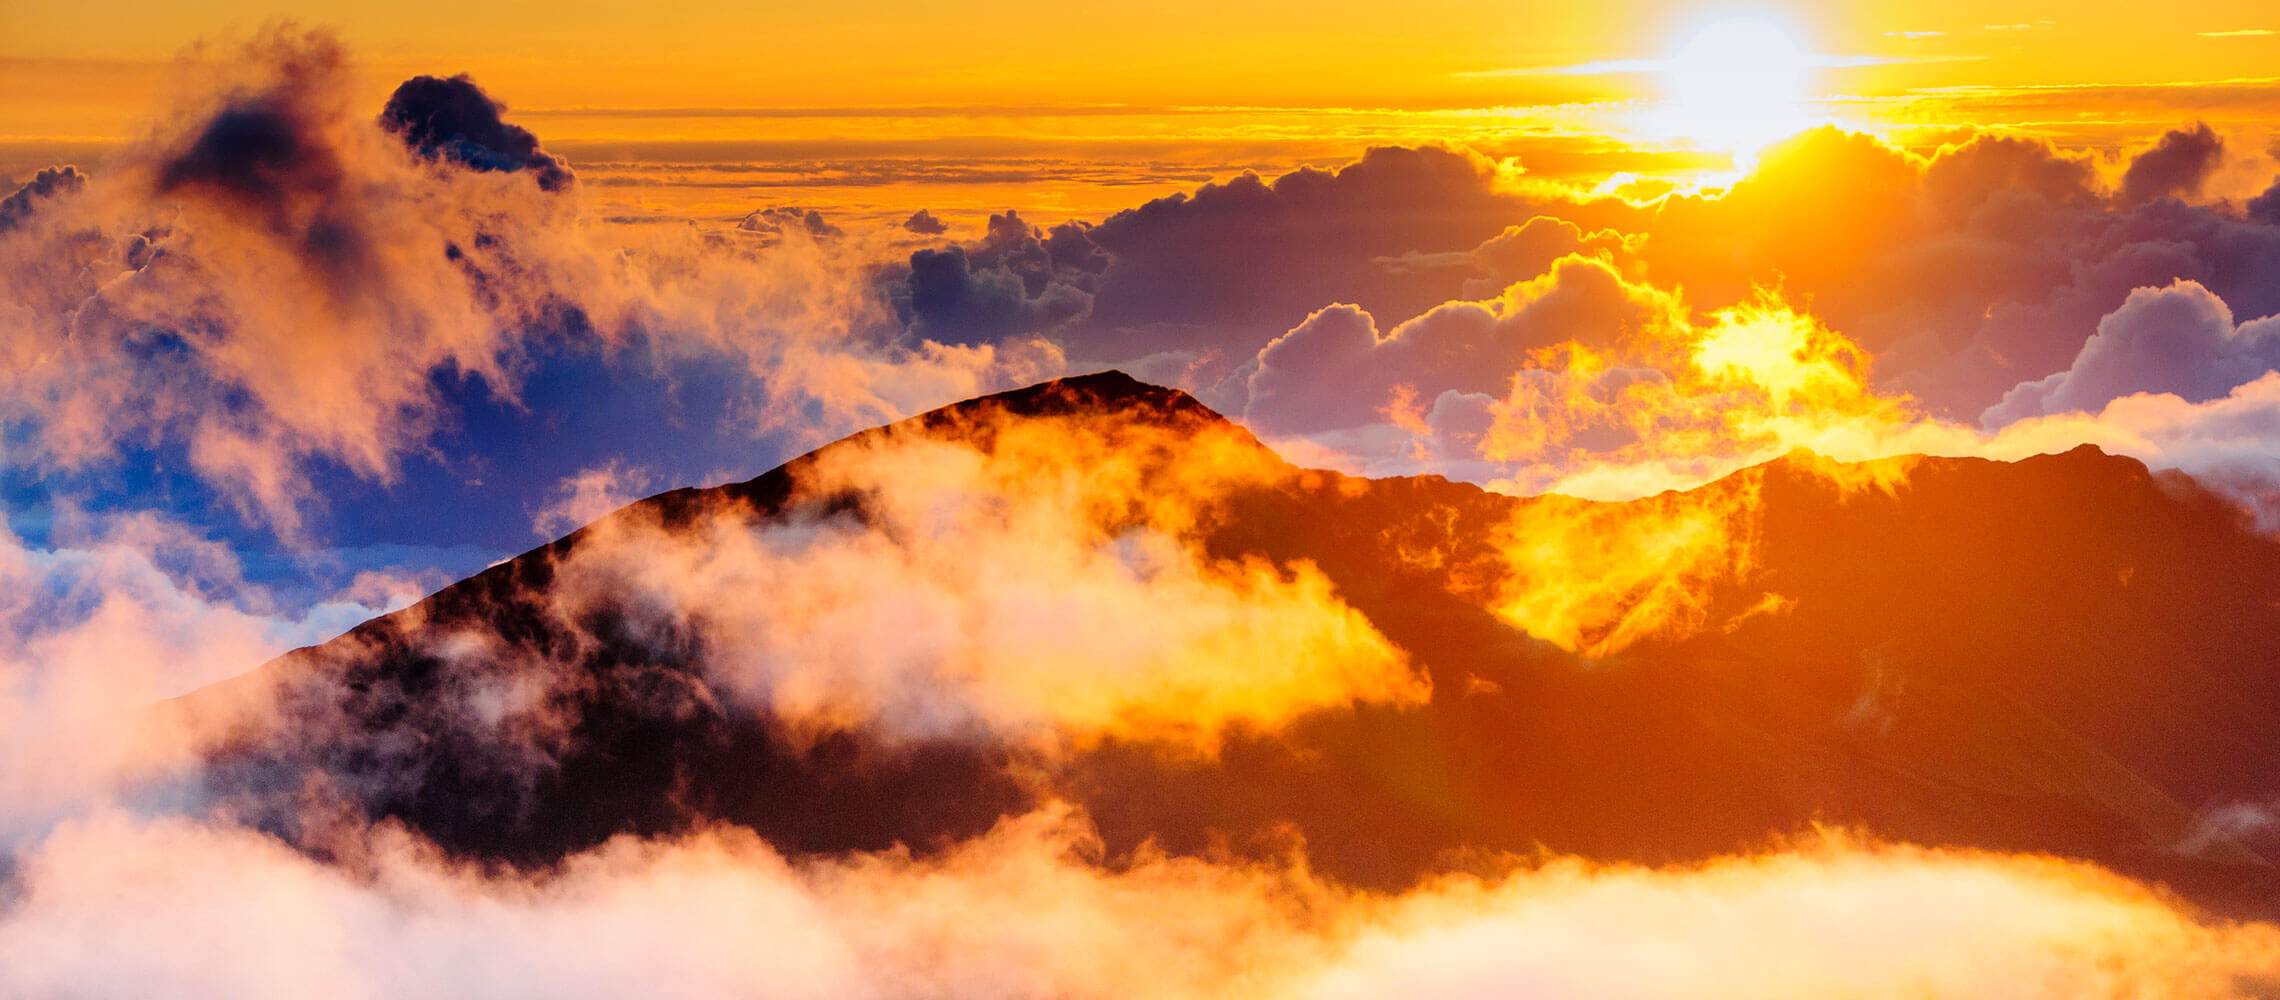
{"points": [[443, 248]]}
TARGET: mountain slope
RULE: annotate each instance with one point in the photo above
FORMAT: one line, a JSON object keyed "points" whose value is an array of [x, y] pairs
{"points": [[2063, 654]]}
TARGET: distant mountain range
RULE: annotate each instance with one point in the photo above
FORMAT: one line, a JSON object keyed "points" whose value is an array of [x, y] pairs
{"points": [[2065, 654]]}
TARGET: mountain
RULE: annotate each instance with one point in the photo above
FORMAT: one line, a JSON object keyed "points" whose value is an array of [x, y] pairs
{"points": [[2065, 654]]}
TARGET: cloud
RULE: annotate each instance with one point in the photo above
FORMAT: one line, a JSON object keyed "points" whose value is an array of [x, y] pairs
{"points": [[183, 297], [1529, 249], [2180, 340], [1589, 383], [2227, 443], [2175, 167], [1797, 925], [775, 220], [1991, 169], [453, 119], [48, 184], [924, 223], [866, 605], [129, 610], [1945, 279], [115, 906], [2233, 822], [1018, 913], [1016, 280], [588, 496], [1610, 67], [1964, 272], [1563, 378], [1335, 369], [1227, 266], [275, 285], [1090, 528], [2265, 208], [884, 630], [1598, 578]]}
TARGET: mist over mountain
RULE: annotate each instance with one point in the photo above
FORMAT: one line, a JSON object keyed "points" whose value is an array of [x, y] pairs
{"points": [[2065, 655]]}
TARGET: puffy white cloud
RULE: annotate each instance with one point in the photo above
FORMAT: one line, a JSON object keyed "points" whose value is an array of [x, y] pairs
{"points": [[2180, 340], [1033, 578], [95, 632], [117, 907], [1335, 370]]}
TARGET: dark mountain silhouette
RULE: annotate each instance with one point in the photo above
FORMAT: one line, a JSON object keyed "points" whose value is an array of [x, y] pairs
{"points": [[2065, 654]]}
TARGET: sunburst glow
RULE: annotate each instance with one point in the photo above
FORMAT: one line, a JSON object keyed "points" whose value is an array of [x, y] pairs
{"points": [[1736, 83]]}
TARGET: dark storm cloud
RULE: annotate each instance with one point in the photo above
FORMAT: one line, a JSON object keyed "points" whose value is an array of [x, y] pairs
{"points": [[1238, 262], [924, 223], [1070, 247], [252, 151], [2265, 208], [2175, 167], [51, 183], [1223, 269], [1985, 169], [263, 155], [1013, 281], [453, 119]]}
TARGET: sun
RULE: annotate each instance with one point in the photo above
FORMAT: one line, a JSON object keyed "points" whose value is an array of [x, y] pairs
{"points": [[1736, 83]]}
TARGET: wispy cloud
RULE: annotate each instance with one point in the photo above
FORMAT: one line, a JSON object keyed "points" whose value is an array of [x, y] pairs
{"points": [[2239, 33], [1615, 67]]}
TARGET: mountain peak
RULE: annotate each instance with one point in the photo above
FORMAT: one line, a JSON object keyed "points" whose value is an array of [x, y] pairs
{"points": [[1875, 659], [1110, 390]]}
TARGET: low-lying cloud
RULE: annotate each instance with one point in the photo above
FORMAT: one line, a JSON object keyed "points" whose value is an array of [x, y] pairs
{"points": [[112, 906], [1028, 577]]}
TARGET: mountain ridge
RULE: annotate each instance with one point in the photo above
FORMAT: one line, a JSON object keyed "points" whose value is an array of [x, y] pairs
{"points": [[1925, 681], [1121, 391]]}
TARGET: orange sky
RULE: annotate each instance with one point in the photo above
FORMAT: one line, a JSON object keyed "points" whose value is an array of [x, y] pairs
{"points": [[1123, 102], [81, 69]]}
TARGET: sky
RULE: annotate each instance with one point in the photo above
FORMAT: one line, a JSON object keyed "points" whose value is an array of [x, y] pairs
{"points": [[1069, 112], [302, 318]]}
